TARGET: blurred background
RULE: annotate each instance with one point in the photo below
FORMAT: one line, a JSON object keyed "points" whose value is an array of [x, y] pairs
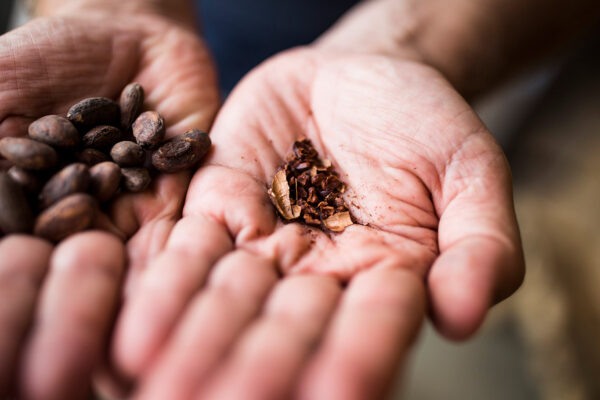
{"points": [[543, 343]]}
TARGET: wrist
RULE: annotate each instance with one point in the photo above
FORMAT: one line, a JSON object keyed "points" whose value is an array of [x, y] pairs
{"points": [[420, 31]]}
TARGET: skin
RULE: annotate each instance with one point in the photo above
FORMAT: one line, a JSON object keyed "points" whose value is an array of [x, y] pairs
{"points": [[429, 188], [331, 317], [51, 63]]}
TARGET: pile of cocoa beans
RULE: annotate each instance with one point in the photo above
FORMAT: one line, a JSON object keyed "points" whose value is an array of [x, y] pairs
{"points": [[71, 166]]}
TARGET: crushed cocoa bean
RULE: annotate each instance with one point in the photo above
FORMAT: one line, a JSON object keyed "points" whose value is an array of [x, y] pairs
{"points": [[308, 189]]}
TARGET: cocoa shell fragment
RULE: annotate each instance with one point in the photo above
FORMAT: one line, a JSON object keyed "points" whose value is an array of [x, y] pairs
{"points": [[279, 192], [338, 222]]}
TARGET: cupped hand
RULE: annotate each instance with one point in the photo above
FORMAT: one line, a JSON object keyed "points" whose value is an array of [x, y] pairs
{"points": [[241, 305], [56, 327]]}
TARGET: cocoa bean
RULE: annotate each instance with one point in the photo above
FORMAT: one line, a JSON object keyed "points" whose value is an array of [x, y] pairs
{"points": [[54, 130], [128, 154], [131, 102], [29, 181], [15, 214], [101, 137], [27, 153], [181, 152], [79, 146], [74, 178], [104, 180], [149, 129], [135, 179], [92, 157], [94, 111], [70, 215]]}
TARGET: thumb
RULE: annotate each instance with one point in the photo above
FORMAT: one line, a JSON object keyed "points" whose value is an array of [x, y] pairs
{"points": [[481, 259]]}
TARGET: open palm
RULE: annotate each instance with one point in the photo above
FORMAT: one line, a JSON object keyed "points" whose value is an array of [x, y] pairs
{"points": [[430, 191], [48, 65]]}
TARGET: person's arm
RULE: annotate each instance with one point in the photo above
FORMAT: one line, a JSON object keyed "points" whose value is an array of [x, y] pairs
{"points": [[474, 44]]}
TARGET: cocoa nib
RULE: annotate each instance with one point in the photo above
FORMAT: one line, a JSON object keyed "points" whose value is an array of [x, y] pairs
{"points": [[308, 189]]}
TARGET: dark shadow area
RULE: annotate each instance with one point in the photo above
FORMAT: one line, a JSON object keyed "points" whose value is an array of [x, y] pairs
{"points": [[6, 8]]}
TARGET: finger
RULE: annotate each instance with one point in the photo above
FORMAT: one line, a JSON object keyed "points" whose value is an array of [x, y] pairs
{"points": [[371, 333], [234, 295], [481, 258], [131, 212], [287, 333], [23, 264], [233, 198], [148, 219], [164, 290], [468, 278], [76, 309]]}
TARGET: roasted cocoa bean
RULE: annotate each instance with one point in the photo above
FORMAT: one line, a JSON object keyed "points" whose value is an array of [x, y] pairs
{"points": [[308, 189], [28, 180], [27, 153], [80, 144], [94, 111], [181, 152], [15, 213], [91, 157], [54, 130], [128, 154], [102, 137], [149, 129], [72, 214], [74, 178], [135, 179], [131, 102], [104, 180]]}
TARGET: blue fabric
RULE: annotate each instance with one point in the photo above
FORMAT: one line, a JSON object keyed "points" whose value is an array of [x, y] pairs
{"points": [[242, 33]]}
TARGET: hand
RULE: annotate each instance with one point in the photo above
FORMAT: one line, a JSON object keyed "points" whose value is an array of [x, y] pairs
{"points": [[430, 190], [58, 306]]}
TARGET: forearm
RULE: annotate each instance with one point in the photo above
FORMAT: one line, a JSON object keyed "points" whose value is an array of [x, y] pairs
{"points": [[473, 43], [180, 10]]}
